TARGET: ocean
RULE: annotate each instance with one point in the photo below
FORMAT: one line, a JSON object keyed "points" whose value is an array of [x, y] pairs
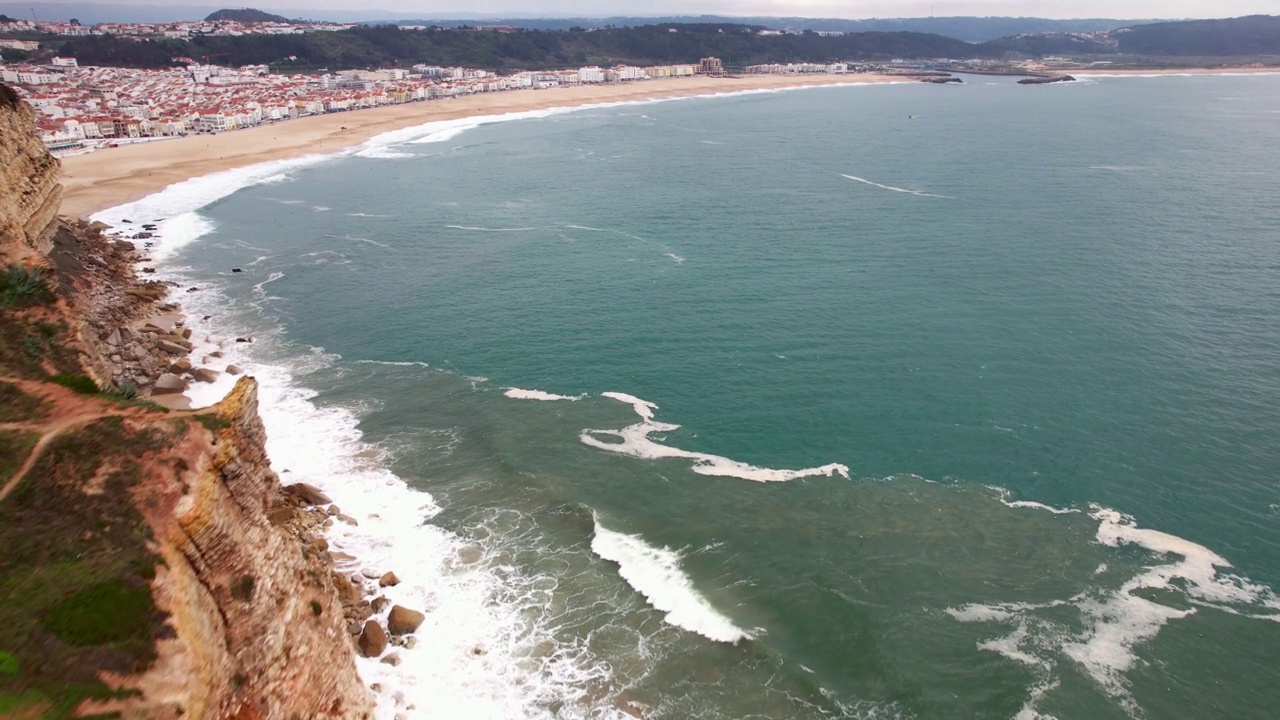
{"points": [[893, 401]]}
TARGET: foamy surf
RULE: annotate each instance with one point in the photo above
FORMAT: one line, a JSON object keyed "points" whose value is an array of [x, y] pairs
{"points": [[655, 573], [487, 649], [521, 394], [1117, 620], [918, 193], [634, 440]]}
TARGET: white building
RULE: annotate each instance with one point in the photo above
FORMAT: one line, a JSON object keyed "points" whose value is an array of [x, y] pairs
{"points": [[590, 74]]}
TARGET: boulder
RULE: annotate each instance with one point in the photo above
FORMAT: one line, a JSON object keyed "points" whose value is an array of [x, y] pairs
{"points": [[393, 659], [186, 333], [113, 338], [205, 375], [309, 493], [388, 580], [180, 366], [169, 383], [378, 603], [234, 370], [171, 347], [373, 639], [402, 620]]}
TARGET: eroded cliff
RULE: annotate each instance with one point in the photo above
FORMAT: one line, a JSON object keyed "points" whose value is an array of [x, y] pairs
{"points": [[153, 565], [29, 179]]}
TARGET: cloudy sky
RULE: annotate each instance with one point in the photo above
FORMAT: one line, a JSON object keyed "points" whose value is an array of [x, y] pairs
{"points": [[802, 8]]}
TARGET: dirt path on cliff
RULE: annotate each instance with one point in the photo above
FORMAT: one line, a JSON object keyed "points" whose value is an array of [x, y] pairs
{"points": [[69, 411]]}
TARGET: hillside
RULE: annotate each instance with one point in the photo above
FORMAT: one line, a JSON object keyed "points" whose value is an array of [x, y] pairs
{"points": [[246, 15], [1252, 35], [737, 45], [969, 29]]}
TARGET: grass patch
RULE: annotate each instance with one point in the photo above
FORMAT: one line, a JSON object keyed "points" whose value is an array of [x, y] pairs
{"points": [[8, 664], [213, 423], [20, 287], [77, 382], [109, 612], [127, 391], [19, 406], [28, 344], [76, 568], [15, 445], [21, 704]]}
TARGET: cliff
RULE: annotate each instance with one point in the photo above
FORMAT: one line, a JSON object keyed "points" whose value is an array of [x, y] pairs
{"points": [[29, 178], [153, 566]]}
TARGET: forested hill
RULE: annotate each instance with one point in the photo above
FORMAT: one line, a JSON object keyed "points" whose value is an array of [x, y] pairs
{"points": [[1253, 35], [383, 45], [969, 29], [736, 45], [246, 15]]}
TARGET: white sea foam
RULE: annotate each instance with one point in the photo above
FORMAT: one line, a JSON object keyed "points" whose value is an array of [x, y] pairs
{"points": [[1116, 620], [655, 573], [448, 133], [175, 207], [486, 229], [519, 394], [634, 440], [1004, 496], [675, 258], [378, 153], [918, 193], [488, 652]]}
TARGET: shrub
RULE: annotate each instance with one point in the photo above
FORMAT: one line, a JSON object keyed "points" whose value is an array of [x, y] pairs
{"points": [[126, 391], [82, 384], [23, 286]]}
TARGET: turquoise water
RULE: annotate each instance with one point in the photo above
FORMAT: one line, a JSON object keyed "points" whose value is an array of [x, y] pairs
{"points": [[1039, 326]]}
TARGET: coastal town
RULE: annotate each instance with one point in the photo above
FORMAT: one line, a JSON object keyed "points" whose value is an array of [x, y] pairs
{"points": [[86, 108]]}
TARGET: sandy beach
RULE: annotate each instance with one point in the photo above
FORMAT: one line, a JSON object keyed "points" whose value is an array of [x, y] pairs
{"points": [[113, 176]]}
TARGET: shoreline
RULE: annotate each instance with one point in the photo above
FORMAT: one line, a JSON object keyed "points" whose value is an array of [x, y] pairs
{"points": [[104, 179]]}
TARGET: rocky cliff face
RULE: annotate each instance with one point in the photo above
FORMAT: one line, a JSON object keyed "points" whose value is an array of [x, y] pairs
{"points": [[258, 629], [153, 565], [28, 175]]}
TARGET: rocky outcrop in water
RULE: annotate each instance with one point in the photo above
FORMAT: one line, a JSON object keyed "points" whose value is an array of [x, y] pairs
{"points": [[1046, 80]]}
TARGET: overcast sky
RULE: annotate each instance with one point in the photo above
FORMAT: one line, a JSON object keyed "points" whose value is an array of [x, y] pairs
{"points": [[802, 8]]}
